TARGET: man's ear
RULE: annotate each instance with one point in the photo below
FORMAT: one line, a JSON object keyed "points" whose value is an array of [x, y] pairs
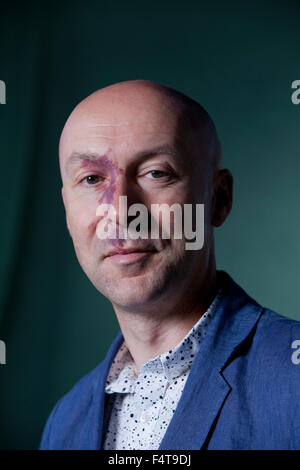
{"points": [[222, 197], [65, 204]]}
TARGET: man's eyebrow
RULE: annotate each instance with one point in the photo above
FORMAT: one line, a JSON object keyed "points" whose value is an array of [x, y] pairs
{"points": [[162, 149], [76, 157]]}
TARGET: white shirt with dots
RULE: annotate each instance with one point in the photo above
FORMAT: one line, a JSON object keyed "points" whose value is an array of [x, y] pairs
{"points": [[139, 408]]}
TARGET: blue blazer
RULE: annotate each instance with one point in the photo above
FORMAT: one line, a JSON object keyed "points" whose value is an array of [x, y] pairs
{"points": [[243, 390]]}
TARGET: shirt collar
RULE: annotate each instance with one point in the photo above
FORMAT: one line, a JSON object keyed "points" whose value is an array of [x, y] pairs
{"points": [[123, 375]]}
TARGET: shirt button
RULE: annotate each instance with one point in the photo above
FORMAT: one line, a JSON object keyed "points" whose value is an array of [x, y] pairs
{"points": [[145, 417]]}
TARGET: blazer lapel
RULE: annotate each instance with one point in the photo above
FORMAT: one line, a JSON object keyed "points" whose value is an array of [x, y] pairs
{"points": [[206, 389], [196, 412]]}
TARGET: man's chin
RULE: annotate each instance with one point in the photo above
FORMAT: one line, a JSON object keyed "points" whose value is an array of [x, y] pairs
{"points": [[132, 297], [132, 292]]}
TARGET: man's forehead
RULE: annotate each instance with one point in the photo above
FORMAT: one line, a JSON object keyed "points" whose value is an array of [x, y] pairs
{"points": [[85, 130], [115, 123], [125, 118], [133, 155], [138, 136]]}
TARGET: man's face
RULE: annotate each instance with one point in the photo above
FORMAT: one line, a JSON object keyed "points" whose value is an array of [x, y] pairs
{"points": [[143, 153]]}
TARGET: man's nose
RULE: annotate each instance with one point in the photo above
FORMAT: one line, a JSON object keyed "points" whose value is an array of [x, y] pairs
{"points": [[126, 193]]}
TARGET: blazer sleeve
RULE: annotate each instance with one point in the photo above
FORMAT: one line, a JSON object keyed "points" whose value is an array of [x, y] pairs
{"points": [[45, 443]]}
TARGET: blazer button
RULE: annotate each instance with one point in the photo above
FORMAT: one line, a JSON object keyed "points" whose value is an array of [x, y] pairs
{"points": [[145, 417]]}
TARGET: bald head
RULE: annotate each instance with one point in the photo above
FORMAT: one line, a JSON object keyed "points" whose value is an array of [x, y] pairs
{"points": [[156, 147], [114, 111]]}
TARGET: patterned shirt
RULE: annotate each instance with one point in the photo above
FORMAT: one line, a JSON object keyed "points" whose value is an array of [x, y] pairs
{"points": [[140, 407]]}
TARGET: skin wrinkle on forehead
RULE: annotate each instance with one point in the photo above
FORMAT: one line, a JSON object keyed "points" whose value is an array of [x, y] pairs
{"points": [[125, 124], [131, 134], [111, 125], [141, 155]]}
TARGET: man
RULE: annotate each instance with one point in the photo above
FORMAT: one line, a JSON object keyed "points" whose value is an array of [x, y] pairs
{"points": [[197, 364]]}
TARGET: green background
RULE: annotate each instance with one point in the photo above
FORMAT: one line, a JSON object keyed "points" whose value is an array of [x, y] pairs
{"points": [[238, 59]]}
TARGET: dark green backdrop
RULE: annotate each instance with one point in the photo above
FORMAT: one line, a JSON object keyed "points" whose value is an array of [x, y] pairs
{"points": [[238, 59]]}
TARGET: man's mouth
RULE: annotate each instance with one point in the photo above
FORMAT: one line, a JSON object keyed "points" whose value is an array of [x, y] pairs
{"points": [[129, 255]]}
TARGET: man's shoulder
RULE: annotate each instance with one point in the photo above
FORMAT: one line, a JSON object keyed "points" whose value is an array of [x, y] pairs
{"points": [[276, 346], [266, 338], [273, 325], [71, 410], [82, 390], [79, 407], [243, 310]]}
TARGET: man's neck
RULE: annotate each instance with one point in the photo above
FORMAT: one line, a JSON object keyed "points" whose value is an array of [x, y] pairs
{"points": [[149, 335]]}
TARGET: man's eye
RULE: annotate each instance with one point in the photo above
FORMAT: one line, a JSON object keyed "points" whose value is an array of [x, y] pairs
{"points": [[156, 174], [91, 179]]}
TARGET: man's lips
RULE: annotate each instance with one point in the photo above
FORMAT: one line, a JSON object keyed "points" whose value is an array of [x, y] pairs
{"points": [[125, 251], [129, 255]]}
